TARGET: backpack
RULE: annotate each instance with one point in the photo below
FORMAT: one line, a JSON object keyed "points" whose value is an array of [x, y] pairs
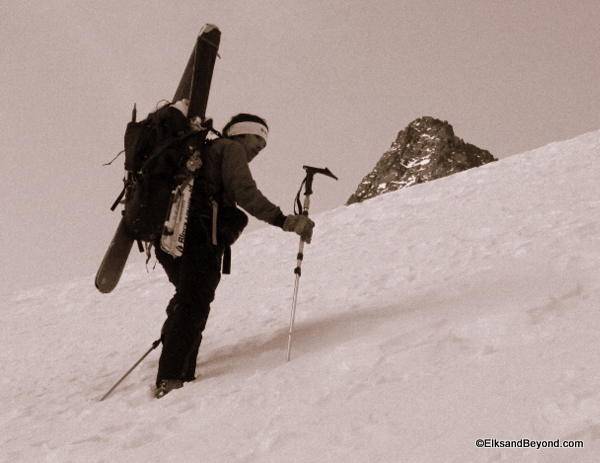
{"points": [[159, 180], [156, 152]]}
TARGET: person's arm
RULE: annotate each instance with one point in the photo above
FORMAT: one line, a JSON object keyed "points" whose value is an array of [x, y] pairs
{"points": [[241, 187]]}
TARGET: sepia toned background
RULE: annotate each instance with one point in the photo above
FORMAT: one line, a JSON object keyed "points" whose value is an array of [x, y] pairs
{"points": [[335, 80]]}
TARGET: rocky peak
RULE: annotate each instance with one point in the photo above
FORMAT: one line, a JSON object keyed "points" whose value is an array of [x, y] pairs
{"points": [[425, 150]]}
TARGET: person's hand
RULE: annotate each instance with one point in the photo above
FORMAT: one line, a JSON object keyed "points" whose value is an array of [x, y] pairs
{"points": [[301, 225]]}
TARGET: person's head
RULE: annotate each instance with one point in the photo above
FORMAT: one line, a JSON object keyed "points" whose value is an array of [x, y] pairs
{"points": [[250, 131]]}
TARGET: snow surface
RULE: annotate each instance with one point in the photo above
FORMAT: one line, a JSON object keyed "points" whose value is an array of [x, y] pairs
{"points": [[428, 318]]}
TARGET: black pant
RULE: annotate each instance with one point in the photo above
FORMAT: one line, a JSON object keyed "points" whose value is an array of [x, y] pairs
{"points": [[196, 275]]}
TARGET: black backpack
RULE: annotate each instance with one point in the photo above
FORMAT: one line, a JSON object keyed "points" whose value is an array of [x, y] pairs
{"points": [[156, 151]]}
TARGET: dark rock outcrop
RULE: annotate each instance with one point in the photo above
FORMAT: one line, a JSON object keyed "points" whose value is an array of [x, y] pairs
{"points": [[425, 150]]}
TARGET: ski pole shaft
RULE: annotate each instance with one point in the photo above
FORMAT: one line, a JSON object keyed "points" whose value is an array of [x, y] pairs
{"points": [[292, 317], [154, 346], [298, 272], [307, 183]]}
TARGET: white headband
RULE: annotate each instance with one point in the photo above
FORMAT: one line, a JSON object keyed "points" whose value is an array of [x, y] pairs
{"points": [[248, 127]]}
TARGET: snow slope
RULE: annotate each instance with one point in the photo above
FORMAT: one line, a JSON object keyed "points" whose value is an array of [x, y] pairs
{"points": [[428, 318]]}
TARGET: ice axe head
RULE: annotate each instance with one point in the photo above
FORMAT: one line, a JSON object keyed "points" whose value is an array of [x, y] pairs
{"points": [[310, 173]]}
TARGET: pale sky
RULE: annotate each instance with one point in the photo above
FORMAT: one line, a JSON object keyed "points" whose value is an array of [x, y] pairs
{"points": [[335, 80]]}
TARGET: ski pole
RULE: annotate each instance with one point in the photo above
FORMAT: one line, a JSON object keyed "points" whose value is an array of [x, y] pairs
{"points": [[154, 346], [307, 183]]}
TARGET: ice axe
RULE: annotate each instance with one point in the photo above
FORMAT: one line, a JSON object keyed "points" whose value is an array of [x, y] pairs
{"points": [[303, 209]]}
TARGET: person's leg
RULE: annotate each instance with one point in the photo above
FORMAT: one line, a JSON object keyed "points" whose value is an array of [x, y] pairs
{"points": [[196, 283]]}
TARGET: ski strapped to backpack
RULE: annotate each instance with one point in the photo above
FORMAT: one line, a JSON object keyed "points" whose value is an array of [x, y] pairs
{"points": [[162, 155]]}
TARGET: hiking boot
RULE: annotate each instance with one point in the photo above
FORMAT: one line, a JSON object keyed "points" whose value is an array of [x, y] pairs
{"points": [[167, 385]]}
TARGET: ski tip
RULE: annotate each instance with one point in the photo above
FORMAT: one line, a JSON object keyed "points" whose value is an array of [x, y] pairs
{"points": [[211, 35], [208, 28]]}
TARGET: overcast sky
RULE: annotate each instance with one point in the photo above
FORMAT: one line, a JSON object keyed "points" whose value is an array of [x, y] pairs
{"points": [[336, 81]]}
